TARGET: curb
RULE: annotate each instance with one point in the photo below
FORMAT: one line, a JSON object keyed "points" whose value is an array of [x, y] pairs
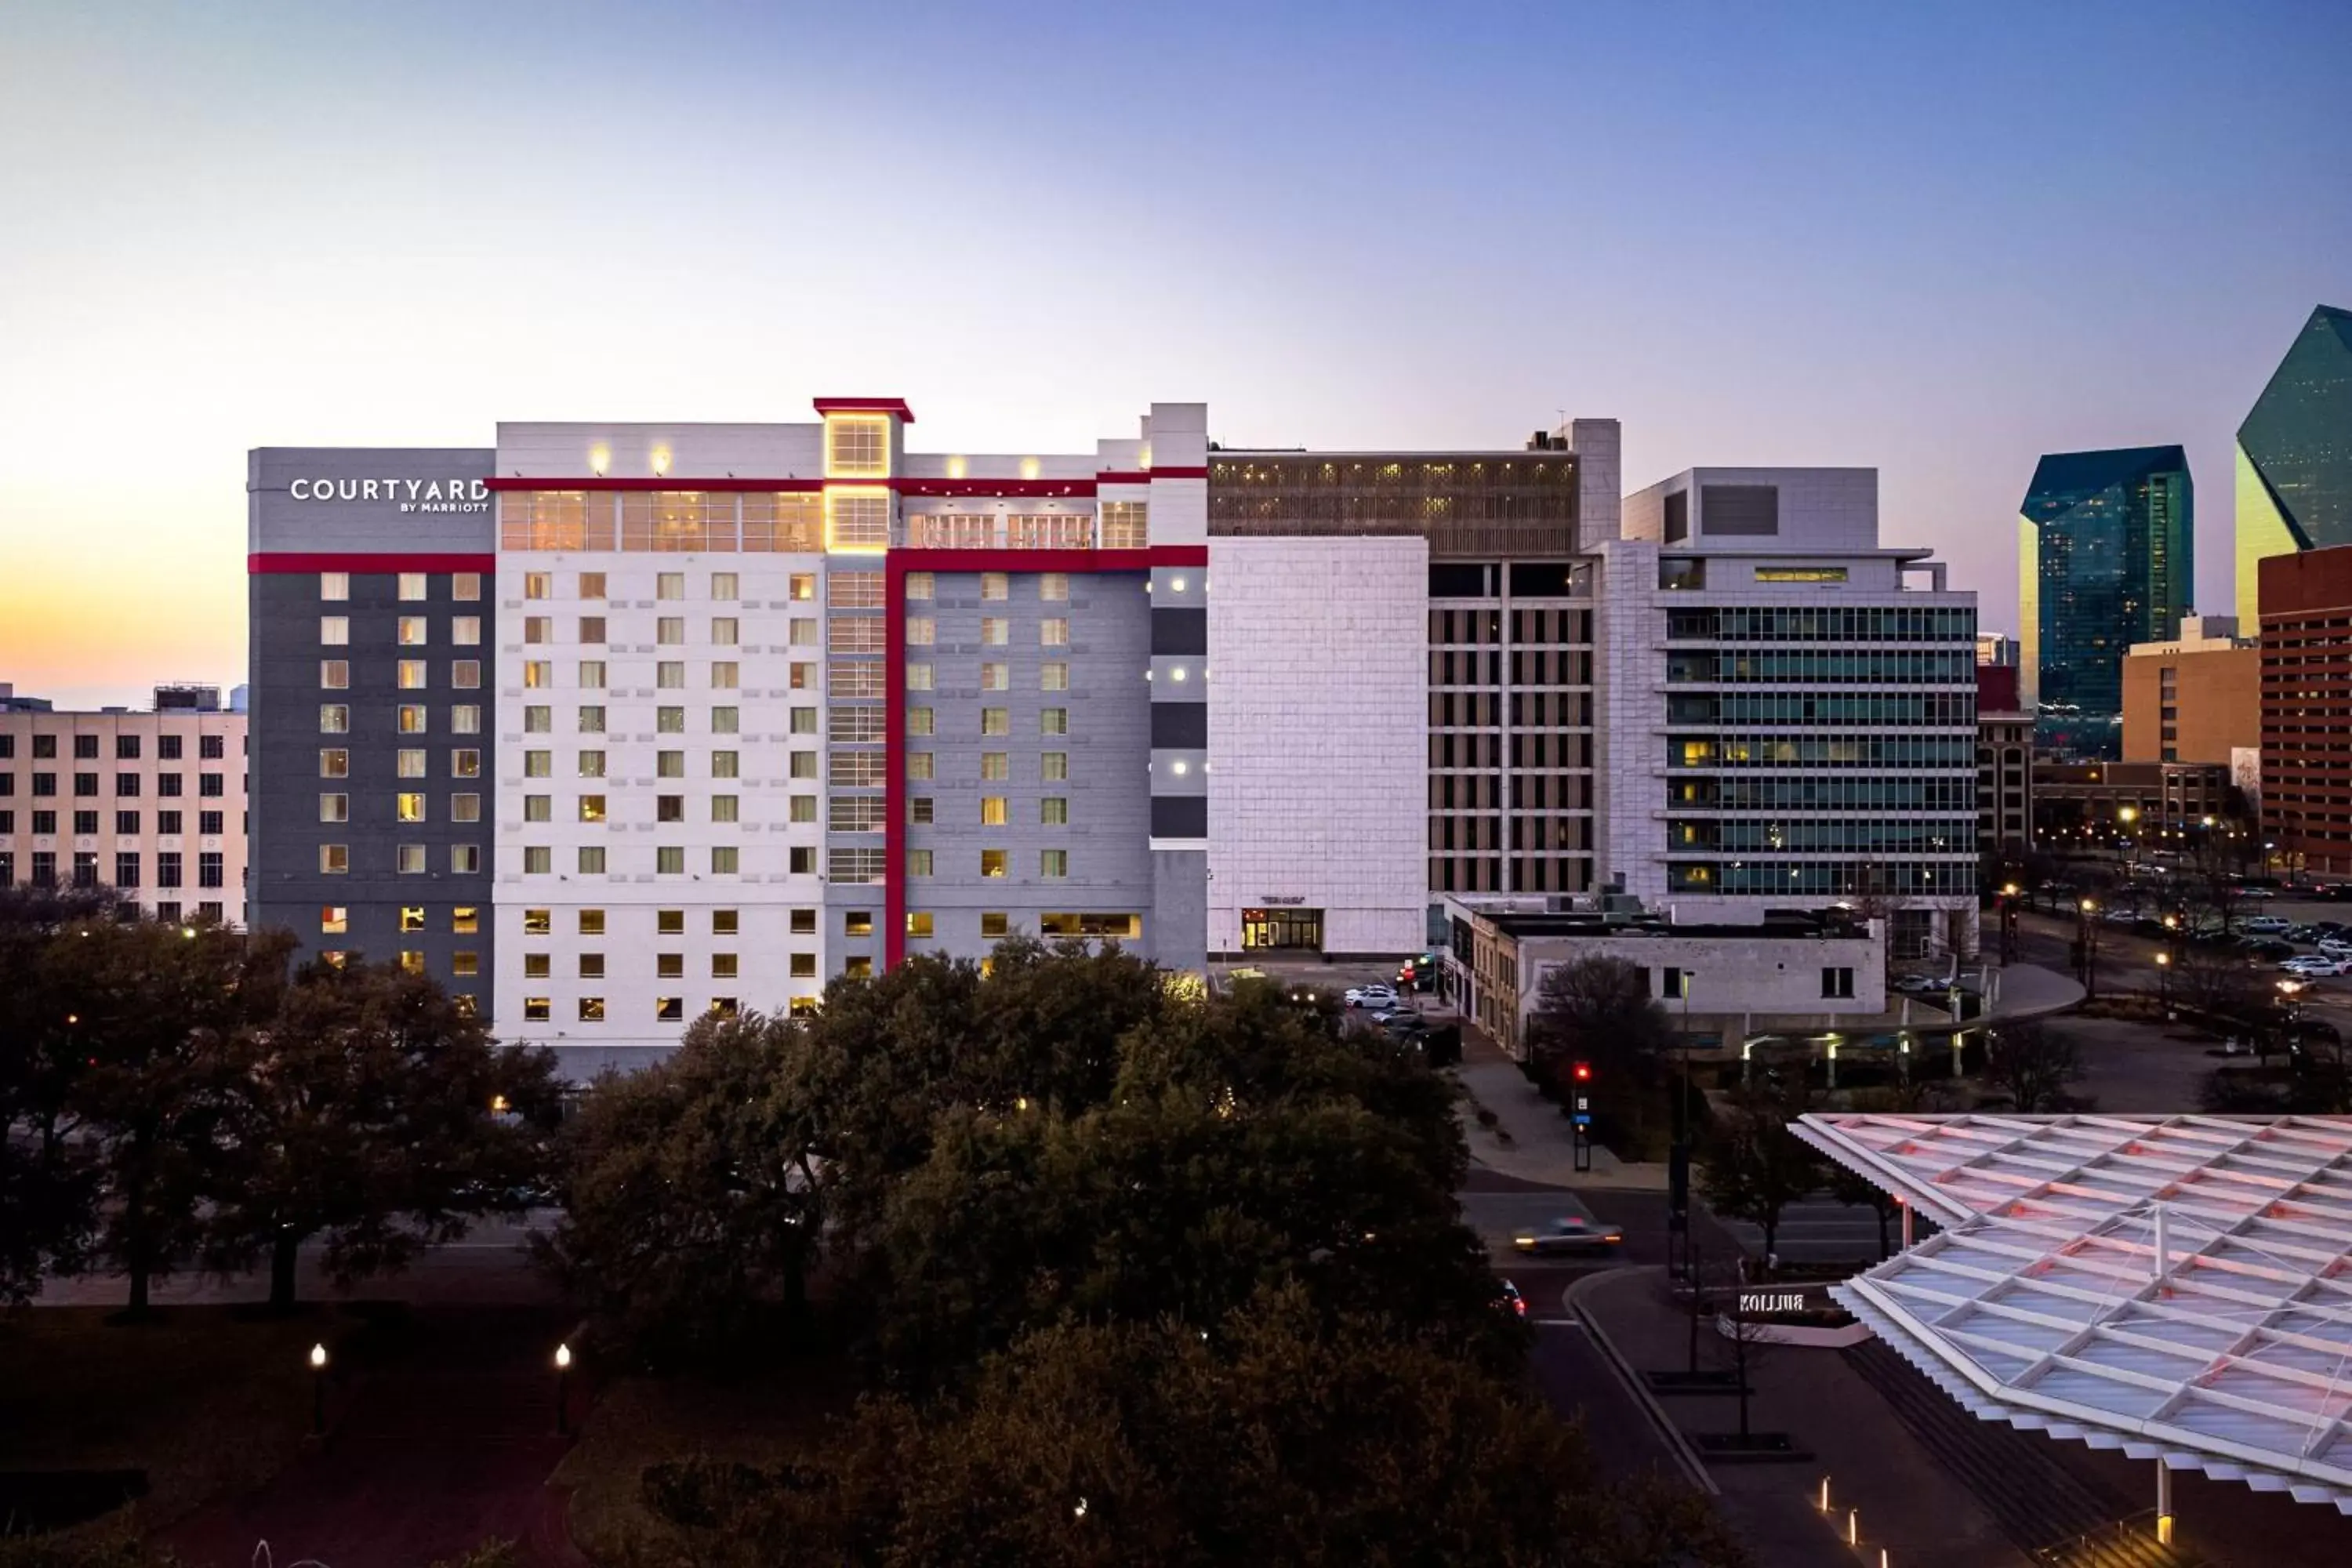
{"points": [[1679, 1446]]}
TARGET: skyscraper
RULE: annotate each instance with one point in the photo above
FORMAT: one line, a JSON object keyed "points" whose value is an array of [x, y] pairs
{"points": [[2294, 455], [2107, 546]]}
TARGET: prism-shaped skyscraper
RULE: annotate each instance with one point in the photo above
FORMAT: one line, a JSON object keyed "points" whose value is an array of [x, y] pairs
{"points": [[2294, 455]]}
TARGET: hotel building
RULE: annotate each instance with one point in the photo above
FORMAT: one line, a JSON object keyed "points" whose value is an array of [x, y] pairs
{"points": [[610, 726]]}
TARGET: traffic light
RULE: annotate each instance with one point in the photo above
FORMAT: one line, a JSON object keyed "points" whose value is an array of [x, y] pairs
{"points": [[1583, 1072]]}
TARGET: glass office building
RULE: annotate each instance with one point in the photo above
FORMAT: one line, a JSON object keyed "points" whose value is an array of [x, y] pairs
{"points": [[2106, 552], [2294, 455]]}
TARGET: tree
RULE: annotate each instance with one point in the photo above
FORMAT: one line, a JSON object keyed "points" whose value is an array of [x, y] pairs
{"points": [[49, 1186], [694, 1194], [2033, 1063], [375, 1111], [1599, 1010], [1267, 1437], [154, 1007], [1752, 1166], [2216, 981]]}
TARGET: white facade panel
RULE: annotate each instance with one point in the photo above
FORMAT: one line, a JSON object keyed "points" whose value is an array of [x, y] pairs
{"points": [[1319, 737]]}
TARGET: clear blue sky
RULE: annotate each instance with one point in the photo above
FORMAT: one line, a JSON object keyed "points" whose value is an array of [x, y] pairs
{"points": [[1939, 239]]}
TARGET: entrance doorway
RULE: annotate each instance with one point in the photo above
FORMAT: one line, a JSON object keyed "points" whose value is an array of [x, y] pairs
{"points": [[1281, 928]]}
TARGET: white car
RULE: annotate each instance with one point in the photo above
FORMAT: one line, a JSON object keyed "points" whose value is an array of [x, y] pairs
{"points": [[2318, 968], [1375, 996]]}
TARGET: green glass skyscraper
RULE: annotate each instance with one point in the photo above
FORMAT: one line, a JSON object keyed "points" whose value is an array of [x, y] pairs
{"points": [[2294, 455], [2106, 548]]}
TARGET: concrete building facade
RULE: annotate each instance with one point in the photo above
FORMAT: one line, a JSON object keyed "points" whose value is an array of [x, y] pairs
{"points": [[2195, 698]]}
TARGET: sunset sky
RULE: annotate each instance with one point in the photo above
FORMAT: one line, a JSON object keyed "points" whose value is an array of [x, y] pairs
{"points": [[1939, 239]]}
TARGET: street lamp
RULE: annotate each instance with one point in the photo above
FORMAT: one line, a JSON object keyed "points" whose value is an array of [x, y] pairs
{"points": [[2087, 942], [2164, 980], [319, 1391], [562, 1379], [2008, 921]]}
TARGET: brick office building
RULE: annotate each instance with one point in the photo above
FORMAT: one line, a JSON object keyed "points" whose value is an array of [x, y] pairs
{"points": [[2306, 710]]}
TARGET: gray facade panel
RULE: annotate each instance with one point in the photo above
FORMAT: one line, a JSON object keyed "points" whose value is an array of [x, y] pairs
{"points": [[1179, 631], [1179, 726], [414, 499], [1177, 928]]}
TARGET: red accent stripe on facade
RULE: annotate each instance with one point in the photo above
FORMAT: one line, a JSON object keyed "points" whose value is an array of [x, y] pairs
{"points": [[275, 561], [516, 483], [1199, 473], [896, 405], [925, 486], [896, 563]]}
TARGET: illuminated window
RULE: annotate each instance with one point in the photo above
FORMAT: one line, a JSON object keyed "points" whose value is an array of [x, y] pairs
{"points": [[802, 586], [1053, 587], [464, 808], [919, 765], [591, 807], [856, 447], [538, 584], [724, 807], [537, 923], [803, 808], [991, 862], [857, 922], [723, 586], [538, 765], [408, 859], [995, 765], [923, 631], [858, 968], [334, 763], [921, 585], [669, 1009], [1054, 676], [412, 586], [670, 764], [410, 761], [408, 809], [592, 629], [669, 674], [334, 586], [918, 862], [535, 1009], [723, 1007], [920, 722], [991, 811], [412, 962], [538, 809], [919, 677], [466, 631], [466, 718], [726, 720], [995, 923], [1124, 525], [538, 674], [1054, 632], [725, 674], [995, 586], [1800, 573], [334, 859], [466, 674], [1053, 721], [464, 921], [334, 674], [919, 922], [996, 721], [413, 633], [669, 585], [412, 675], [591, 922], [670, 630], [726, 764], [334, 919], [465, 964], [465, 586], [670, 860], [334, 719], [995, 631], [335, 630], [996, 677], [592, 584], [855, 520], [412, 918], [465, 764]]}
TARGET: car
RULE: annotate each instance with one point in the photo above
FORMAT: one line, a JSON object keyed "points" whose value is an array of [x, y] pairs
{"points": [[2318, 968], [1513, 1302], [2270, 947], [1921, 984], [2267, 925], [1400, 1018], [1569, 1236], [1372, 995]]}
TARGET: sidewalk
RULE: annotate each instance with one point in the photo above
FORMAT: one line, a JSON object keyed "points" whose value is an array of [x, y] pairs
{"points": [[1542, 1145], [2028, 990], [1922, 1517]]}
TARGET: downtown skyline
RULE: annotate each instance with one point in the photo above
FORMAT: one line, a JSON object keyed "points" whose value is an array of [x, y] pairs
{"points": [[1940, 247]]}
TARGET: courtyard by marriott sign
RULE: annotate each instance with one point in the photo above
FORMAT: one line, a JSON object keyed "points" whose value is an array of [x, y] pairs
{"points": [[411, 495]]}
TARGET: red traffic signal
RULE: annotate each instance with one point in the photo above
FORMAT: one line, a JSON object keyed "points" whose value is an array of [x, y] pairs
{"points": [[1583, 1072]]}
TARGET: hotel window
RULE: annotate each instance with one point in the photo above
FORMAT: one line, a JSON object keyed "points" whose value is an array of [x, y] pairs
{"points": [[995, 631], [536, 1009], [995, 923], [591, 807], [804, 923], [1053, 721], [856, 448], [991, 862], [670, 860], [801, 632], [466, 919], [921, 585], [334, 919], [1053, 862], [726, 808], [854, 590], [412, 675], [726, 860], [466, 674], [466, 718], [167, 865], [918, 862], [538, 719], [723, 1007], [1053, 587], [670, 630], [726, 764], [726, 720], [335, 631], [1054, 632], [409, 763], [334, 860], [334, 719], [670, 675], [1837, 982], [465, 859], [408, 809], [803, 675], [591, 922], [669, 1009], [923, 631], [126, 869], [669, 922], [412, 918], [725, 630], [412, 631], [918, 765], [920, 722], [857, 922], [592, 674], [412, 962], [465, 964], [991, 811], [538, 765], [334, 586], [539, 584], [996, 720], [592, 584], [725, 674], [995, 586], [464, 808], [723, 586], [670, 764], [538, 860], [669, 585], [857, 521], [334, 763], [334, 808], [592, 629], [919, 677], [996, 677], [1125, 525], [126, 823], [1800, 573], [995, 765], [538, 809], [537, 923], [591, 860], [669, 720], [465, 764], [465, 586], [1054, 810], [466, 631], [408, 859], [412, 586], [591, 719], [334, 674]]}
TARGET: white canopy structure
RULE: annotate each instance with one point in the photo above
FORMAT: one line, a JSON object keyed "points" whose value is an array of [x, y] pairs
{"points": [[2176, 1287]]}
